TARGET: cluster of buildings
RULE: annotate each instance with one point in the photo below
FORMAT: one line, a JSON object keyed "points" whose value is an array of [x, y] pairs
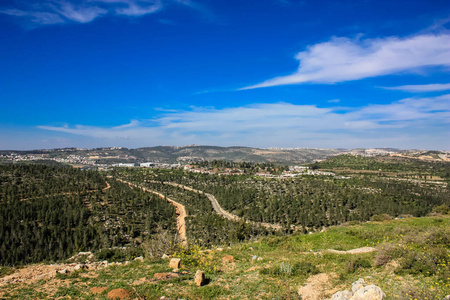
{"points": [[226, 171], [295, 171], [70, 159], [147, 165]]}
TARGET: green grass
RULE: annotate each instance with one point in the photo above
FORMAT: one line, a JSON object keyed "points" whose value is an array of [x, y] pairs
{"points": [[412, 261]]}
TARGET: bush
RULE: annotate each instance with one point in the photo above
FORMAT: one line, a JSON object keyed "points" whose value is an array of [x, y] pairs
{"points": [[194, 257], [433, 262], [286, 268], [442, 209], [355, 264], [386, 252], [119, 254], [382, 217]]}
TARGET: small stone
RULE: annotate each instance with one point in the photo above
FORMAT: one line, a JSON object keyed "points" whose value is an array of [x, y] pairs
{"points": [[175, 263], [63, 271], [79, 267], [139, 258], [260, 258], [219, 249], [139, 281], [227, 259], [165, 256], [165, 276], [255, 257], [199, 278]]}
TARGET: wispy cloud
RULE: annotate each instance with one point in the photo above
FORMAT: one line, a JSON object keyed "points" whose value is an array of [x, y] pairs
{"points": [[405, 124], [64, 11], [421, 88], [77, 13], [343, 59]]}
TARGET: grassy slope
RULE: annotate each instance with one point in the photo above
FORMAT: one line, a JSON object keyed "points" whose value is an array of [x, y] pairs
{"points": [[413, 255]]}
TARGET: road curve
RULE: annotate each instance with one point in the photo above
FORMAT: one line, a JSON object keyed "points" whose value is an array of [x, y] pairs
{"points": [[218, 208], [180, 210]]}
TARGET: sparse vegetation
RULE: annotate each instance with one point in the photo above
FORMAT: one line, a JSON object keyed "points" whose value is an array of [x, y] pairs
{"points": [[40, 204]]}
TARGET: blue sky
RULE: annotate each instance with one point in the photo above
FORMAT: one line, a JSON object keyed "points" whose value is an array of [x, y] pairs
{"points": [[269, 73]]}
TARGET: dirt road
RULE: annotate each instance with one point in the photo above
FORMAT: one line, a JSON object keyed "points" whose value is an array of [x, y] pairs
{"points": [[180, 210], [218, 208]]}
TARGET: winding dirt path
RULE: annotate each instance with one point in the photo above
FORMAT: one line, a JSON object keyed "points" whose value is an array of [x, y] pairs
{"points": [[352, 251], [180, 210], [218, 208]]}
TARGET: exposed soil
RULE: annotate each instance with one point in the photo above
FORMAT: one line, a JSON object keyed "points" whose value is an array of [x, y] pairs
{"points": [[353, 251], [219, 209], [98, 290], [119, 294], [318, 287], [180, 210]]}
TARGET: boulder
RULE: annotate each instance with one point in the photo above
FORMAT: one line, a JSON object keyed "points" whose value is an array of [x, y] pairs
{"points": [[175, 263], [342, 295], [360, 292], [370, 292], [199, 278], [357, 285]]}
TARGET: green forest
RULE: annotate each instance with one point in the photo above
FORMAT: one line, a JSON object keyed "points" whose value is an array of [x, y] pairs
{"points": [[309, 202], [51, 212]]}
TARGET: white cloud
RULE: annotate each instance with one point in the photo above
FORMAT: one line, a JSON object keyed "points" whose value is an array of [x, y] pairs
{"points": [[343, 59], [421, 88], [35, 17], [408, 123], [63, 11], [139, 8], [78, 13]]}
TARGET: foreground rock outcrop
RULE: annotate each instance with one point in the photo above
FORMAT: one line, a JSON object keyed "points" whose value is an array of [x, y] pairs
{"points": [[360, 292]]}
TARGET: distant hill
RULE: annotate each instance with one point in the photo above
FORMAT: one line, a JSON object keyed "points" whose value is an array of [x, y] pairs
{"points": [[175, 154]]}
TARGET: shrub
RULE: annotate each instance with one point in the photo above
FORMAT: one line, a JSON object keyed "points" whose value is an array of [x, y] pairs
{"points": [[386, 252], [286, 268], [194, 257], [442, 209], [382, 217], [433, 262], [355, 264], [119, 254]]}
